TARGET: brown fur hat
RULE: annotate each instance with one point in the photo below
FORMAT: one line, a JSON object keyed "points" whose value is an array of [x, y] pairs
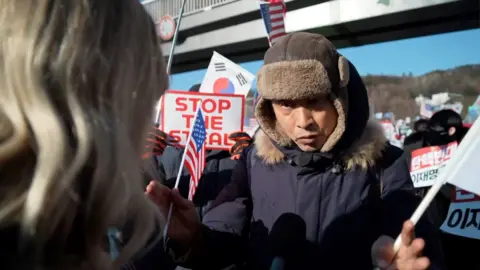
{"points": [[302, 66]]}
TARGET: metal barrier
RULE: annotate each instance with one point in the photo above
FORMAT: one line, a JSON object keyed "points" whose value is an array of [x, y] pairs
{"points": [[159, 8]]}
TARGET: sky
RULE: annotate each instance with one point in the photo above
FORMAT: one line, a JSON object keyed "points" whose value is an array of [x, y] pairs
{"points": [[416, 55]]}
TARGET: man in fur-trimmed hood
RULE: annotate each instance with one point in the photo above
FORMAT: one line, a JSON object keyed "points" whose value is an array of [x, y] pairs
{"points": [[317, 161], [308, 69]]}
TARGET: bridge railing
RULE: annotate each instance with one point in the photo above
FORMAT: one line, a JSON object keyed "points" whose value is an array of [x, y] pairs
{"points": [[159, 8]]}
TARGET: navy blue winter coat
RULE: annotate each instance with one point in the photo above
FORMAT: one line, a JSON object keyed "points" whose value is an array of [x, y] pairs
{"points": [[346, 203]]}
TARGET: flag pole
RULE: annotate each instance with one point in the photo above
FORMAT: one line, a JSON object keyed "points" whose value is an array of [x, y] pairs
{"points": [[172, 51], [180, 170], [451, 171], [175, 36]]}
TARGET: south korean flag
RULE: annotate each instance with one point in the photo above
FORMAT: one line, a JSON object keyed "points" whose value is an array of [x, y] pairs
{"points": [[225, 77]]}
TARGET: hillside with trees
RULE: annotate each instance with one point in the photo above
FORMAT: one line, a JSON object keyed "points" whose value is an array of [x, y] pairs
{"points": [[397, 93]]}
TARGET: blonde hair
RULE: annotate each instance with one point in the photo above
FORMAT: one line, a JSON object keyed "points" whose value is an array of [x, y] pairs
{"points": [[78, 82]]}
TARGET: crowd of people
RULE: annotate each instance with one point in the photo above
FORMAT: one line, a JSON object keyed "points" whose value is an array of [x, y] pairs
{"points": [[317, 187]]}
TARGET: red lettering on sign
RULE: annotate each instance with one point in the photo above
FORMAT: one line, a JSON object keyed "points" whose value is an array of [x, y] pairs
{"points": [[216, 122], [209, 105], [181, 104], [226, 140], [184, 104], [213, 122], [195, 103], [189, 119], [431, 156], [224, 104], [214, 139]]}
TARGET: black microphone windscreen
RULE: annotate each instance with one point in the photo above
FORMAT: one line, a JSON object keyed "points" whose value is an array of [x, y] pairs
{"points": [[287, 235]]}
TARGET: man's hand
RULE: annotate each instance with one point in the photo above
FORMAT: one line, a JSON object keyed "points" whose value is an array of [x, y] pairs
{"points": [[184, 221], [242, 140], [409, 256], [157, 141]]}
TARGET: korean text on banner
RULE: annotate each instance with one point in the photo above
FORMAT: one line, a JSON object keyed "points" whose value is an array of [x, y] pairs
{"points": [[225, 77], [426, 163], [223, 115], [463, 217]]}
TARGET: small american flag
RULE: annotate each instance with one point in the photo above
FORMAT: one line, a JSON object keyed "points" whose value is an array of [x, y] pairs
{"points": [[273, 14], [195, 153]]}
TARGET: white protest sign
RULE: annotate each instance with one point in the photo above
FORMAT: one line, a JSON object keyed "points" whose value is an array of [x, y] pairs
{"points": [[463, 217], [426, 163], [223, 115], [225, 77], [466, 175]]}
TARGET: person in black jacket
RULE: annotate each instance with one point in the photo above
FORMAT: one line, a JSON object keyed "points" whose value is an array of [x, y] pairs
{"points": [[443, 128]]}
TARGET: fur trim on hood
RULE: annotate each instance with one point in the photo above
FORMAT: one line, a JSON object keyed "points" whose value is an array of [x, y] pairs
{"points": [[306, 66], [363, 153]]}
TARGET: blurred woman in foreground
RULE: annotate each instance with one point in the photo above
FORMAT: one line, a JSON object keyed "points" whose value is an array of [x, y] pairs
{"points": [[78, 82]]}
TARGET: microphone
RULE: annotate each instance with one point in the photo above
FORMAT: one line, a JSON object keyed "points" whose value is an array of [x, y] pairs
{"points": [[287, 238]]}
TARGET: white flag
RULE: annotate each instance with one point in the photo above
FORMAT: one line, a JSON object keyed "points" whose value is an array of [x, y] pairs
{"points": [[477, 102], [225, 77], [463, 170]]}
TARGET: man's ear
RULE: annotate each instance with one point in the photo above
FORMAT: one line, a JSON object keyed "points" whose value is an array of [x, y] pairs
{"points": [[452, 131]]}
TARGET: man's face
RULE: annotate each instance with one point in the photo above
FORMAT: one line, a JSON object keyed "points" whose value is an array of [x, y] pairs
{"points": [[307, 122]]}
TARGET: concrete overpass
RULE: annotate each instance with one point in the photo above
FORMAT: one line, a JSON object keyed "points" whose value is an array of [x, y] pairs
{"points": [[234, 27]]}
